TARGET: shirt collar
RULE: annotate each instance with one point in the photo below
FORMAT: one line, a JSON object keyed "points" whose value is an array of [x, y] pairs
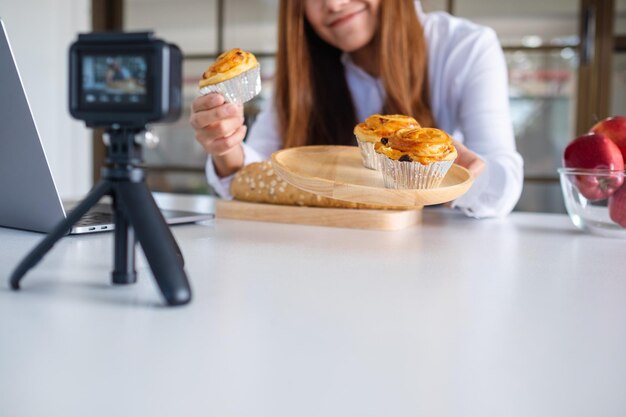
{"points": [[420, 9], [350, 66]]}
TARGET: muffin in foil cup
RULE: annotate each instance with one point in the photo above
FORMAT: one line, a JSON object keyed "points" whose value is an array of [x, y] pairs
{"points": [[237, 90], [413, 175], [368, 155]]}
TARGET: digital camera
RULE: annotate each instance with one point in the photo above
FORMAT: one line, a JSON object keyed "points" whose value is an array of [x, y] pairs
{"points": [[124, 79]]}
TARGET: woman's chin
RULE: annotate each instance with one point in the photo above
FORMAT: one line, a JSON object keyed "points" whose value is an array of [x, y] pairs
{"points": [[353, 45]]}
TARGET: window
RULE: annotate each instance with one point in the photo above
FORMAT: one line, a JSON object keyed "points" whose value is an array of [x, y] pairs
{"points": [[618, 102], [540, 41]]}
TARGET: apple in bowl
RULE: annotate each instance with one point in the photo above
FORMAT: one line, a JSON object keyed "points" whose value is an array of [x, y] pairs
{"points": [[613, 128], [617, 206], [594, 151]]}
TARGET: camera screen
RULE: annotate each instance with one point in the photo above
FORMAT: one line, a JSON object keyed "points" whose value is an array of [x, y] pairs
{"points": [[114, 81]]}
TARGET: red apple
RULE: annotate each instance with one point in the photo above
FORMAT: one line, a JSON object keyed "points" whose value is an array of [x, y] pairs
{"points": [[598, 187], [595, 151], [613, 128], [617, 206]]}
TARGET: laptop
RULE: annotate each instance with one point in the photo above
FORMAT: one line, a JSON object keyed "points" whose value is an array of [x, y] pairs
{"points": [[29, 199]]}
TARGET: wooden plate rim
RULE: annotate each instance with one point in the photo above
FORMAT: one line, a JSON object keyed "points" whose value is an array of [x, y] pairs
{"points": [[331, 185]]}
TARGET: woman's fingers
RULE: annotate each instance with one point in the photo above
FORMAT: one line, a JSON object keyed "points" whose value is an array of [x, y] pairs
{"points": [[207, 102], [204, 118], [222, 128], [476, 166], [469, 160], [219, 125], [224, 144]]}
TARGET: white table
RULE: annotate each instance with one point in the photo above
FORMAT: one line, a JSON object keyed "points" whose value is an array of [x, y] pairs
{"points": [[524, 316]]}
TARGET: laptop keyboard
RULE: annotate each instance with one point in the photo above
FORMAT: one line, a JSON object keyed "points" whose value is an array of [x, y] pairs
{"points": [[100, 217], [95, 217], [99, 214]]}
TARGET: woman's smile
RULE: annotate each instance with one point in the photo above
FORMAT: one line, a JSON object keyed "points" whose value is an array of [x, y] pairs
{"points": [[345, 17], [348, 25]]}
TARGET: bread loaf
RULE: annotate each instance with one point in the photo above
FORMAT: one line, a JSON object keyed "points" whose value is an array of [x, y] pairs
{"points": [[258, 183]]}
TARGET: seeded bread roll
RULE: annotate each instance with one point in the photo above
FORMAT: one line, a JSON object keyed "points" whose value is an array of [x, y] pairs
{"points": [[258, 183]]}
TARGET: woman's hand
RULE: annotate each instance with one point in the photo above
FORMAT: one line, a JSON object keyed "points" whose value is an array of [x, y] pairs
{"points": [[220, 130], [468, 159]]}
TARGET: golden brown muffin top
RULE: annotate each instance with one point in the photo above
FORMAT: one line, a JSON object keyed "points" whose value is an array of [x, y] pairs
{"points": [[228, 65], [379, 126], [423, 145]]}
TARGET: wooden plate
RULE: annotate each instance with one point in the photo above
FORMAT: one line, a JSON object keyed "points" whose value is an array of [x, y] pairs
{"points": [[337, 172]]}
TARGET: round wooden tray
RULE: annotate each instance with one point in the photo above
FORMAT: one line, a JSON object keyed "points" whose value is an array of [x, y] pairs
{"points": [[337, 172]]}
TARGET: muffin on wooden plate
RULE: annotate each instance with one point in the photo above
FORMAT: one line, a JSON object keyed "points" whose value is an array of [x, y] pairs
{"points": [[415, 158], [235, 74], [374, 129]]}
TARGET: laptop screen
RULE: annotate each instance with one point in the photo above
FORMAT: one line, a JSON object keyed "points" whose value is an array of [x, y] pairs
{"points": [[29, 196]]}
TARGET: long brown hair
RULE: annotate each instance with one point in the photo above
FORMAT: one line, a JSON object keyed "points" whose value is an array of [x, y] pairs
{"points": [[312, 99]]}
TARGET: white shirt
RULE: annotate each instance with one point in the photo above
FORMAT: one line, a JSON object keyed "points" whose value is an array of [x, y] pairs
{"points": [[469, 99]]}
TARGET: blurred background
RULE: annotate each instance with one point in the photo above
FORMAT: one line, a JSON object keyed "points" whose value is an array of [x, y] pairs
{"points": [[566, 62]]}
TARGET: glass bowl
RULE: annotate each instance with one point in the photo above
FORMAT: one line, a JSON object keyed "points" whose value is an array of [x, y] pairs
{"points": [[587, 194]]}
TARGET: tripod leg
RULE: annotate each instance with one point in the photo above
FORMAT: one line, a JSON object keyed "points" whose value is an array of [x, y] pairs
{"points": [[58, 232], [124, 249], [156, 239]]}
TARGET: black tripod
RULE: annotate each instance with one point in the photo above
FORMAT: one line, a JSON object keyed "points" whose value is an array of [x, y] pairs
{"points": [[135, 214]]}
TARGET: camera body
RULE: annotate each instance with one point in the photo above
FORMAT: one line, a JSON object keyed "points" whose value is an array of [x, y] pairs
{"points": [[124, 80]]}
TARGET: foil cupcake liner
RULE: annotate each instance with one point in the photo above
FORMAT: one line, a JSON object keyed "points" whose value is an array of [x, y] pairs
{"points": [[368, 155], [413, 175], [237, 90]]}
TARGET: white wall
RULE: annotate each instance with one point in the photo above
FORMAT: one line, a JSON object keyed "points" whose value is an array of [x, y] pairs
{"points": [[40, 32]]}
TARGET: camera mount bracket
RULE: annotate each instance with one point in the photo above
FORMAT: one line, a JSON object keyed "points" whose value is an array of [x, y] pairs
{"points": [[136, 217]]}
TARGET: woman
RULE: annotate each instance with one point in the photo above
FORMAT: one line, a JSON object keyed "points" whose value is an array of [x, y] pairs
{"points": [[339, 61]]}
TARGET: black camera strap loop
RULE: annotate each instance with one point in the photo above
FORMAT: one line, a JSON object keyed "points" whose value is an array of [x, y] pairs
{"points": [[137, 218]]}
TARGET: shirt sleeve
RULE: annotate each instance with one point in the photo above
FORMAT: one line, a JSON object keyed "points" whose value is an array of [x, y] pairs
{"points": [[484, 119], [262, 141]]}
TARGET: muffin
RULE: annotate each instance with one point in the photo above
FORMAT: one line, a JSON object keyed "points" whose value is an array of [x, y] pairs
{"points": [[374, 129], [415, 158], [235, 74]]}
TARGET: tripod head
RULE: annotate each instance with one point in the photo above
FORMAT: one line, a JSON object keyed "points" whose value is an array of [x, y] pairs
{"points": [[124, 152], [123, 146]]}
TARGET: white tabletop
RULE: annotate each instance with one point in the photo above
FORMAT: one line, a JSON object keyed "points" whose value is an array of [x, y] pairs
{"points": [[523, 316]]}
